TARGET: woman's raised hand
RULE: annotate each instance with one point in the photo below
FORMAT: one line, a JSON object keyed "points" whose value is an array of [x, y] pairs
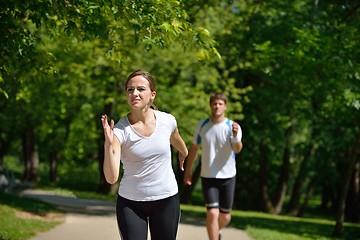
{"points": [[108, 129]]}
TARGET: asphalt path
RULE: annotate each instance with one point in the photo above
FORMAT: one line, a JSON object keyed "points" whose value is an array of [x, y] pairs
{"points": [[91, 219]]}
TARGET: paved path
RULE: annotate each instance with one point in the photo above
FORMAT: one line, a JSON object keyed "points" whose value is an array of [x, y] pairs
{"points": [[95, 220]]}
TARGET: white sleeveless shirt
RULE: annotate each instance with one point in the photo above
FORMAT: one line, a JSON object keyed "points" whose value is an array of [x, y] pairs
{"points": [[148, 173]]}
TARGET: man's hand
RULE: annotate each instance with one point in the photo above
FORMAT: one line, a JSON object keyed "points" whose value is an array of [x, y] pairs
{"points": [[235, 128]]}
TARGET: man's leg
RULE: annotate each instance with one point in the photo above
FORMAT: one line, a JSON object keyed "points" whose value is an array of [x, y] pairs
{"points": [[224, 220], [215, 221], [227, 192], [211, 197], [212, 223]]}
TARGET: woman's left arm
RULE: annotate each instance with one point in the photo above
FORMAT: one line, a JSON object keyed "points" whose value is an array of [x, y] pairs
{"points": [[178, 143]]}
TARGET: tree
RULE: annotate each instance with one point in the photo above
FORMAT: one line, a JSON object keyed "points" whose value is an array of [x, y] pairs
{"points": [[31, 30]]}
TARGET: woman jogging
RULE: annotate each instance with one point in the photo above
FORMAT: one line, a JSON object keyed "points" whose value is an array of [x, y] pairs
{"points": [[148, 191]]}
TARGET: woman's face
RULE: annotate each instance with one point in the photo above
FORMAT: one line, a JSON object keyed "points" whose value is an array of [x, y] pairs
{"points": [[138, 92]]}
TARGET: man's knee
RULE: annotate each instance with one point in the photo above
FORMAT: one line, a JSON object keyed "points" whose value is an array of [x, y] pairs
{"points": [[212, 213], [224, 218]]}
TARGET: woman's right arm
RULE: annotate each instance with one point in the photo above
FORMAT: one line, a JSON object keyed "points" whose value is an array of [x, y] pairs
{"points": [[112, 152], [190, 161]]}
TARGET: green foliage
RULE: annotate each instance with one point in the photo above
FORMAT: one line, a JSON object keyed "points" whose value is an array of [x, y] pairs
{"points": [[78, 177], [297, 70]]}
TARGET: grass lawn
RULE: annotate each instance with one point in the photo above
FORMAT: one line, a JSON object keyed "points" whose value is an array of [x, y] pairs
{"points": [[22, 218], [262, 226]]}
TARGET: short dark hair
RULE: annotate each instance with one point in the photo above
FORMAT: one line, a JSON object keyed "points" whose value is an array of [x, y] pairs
{"points": [[218, 96]]}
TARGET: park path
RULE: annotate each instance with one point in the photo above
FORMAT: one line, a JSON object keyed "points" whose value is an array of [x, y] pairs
{"points": [[95, 220]]}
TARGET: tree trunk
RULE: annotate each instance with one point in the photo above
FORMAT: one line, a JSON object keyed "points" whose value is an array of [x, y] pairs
{"points": [[26, 149], [30, 155], [4, 147], [308, 195], [352, 211], [357, 192], [284, 175], [53, 167], [294, 204], [263, 174], [327, 195], [339, 226], [35, 163]]}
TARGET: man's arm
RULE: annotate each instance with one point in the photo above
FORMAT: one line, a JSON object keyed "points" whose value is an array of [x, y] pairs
{"points": [[237, 146], [236, 142]]}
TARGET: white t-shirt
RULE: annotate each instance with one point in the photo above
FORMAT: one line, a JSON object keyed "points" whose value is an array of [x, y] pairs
{"points": [[148, 173], [218, 157]]}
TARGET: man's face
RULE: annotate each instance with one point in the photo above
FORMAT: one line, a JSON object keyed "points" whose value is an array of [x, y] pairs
{"points": [[218, 108]]}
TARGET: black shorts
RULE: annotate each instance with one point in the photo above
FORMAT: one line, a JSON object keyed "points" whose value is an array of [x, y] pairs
{"points": [[160, 216], [219, 193]]}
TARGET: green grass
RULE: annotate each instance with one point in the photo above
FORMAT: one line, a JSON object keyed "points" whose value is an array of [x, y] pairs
{"points": [[262, 226], [22, 218]]}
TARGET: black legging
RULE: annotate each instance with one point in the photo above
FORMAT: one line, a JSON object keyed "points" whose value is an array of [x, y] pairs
{"points": [[162, 215]]}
